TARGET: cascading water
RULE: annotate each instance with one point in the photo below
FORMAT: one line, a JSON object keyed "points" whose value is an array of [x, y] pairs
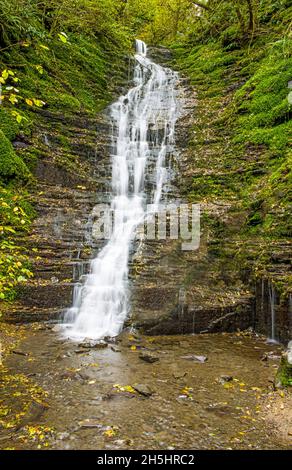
{"points": [[143, 123]]}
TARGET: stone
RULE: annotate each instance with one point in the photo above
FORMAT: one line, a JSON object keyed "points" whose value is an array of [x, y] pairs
{"points": [[225, 378], [56, 328], [35, 411], [19, 145], [179, 375], [191, 357], [270, 355], [93, 345], [148, 357], [20, 353], [63, 435], [143, 389], [89, 424], [82, 351]]}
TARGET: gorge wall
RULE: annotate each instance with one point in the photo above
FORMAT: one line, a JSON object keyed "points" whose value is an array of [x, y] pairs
{"points": [[217, 288]]}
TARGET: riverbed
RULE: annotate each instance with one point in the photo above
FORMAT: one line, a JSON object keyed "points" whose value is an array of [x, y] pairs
{"points": [[202, 392]]}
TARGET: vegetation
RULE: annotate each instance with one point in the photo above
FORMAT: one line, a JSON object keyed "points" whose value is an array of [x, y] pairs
{"points": [[284, 373], [64, 57]]}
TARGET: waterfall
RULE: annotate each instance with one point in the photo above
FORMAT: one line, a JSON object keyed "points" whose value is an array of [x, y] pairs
{"points": [[101, 303], [272, 304]]}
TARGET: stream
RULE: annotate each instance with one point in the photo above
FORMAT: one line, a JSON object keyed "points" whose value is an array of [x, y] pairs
{"points": [[64, 396]]}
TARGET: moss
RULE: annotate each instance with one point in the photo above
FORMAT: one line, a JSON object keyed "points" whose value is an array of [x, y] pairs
{"points": [[65, 101], [284, 373], [30, 157], [74, 77], [11, 165], [265, 113], [8, 124]]}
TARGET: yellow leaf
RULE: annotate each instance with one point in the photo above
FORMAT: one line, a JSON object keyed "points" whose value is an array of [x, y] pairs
{"points": [[29, 102], [38, 103], [63, 37], [109, 433], [228, 385], [13, 99], [39, 69]]}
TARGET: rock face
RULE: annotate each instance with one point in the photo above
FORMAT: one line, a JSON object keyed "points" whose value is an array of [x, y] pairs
{"points": [[71, 179], [175, 291], [272, 307], [172, 291]]}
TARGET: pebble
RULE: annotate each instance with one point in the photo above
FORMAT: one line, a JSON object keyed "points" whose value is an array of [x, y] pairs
{"points": [[194, 358], [147, 357], [143, 389]]}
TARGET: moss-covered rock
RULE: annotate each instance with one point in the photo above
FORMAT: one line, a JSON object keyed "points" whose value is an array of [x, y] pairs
{"points": [[11, 165], [8, 124], [284, 374]]}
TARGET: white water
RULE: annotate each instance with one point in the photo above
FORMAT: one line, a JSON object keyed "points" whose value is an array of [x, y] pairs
{"points": [[100, 304], [273, 315]]}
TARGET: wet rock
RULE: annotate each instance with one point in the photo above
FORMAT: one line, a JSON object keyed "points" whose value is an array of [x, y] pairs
{"points": [[179, 375], [108, 396], [89, 424], [128, 336], [223, 379], [56, 328], [148, 357], [20, 353], [43, 328], [219, 409], [19, 145], [93, 345], [33, 414], [84, 376], [115, 349], [82, 351], [270, 356], [192, 357], [143, 389], [68, 375], [120, 442], [63, 435], [59, 357]]}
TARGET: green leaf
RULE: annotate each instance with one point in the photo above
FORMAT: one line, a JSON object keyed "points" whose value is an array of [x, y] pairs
{"points": [[63, 37]]}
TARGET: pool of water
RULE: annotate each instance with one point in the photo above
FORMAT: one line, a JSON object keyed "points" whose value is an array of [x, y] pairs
{"points": [[86, 399]]}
